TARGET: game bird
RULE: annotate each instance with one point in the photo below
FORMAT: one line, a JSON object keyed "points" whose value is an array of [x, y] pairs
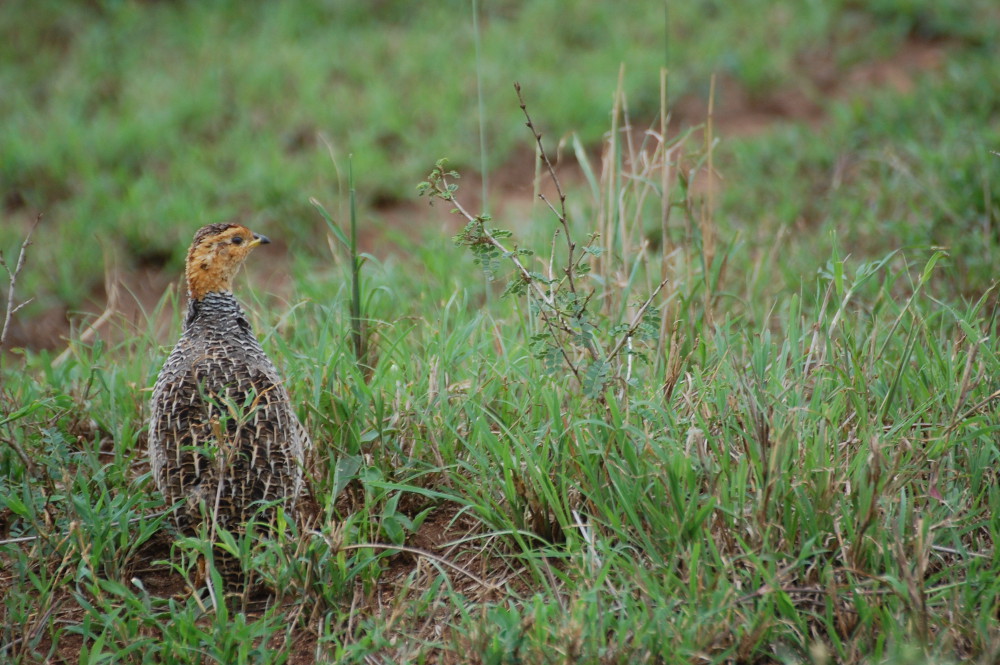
{"points": [[224, 440]]}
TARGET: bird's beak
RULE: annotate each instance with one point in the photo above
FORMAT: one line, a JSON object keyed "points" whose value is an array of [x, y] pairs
{"points": [[258, 239]]}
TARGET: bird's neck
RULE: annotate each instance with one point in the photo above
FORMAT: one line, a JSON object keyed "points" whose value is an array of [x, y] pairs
{"points": [[214, 306], [206, 278]]}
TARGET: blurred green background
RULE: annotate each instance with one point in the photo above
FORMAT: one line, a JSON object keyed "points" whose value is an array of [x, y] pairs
{"points": [[130, 124]]}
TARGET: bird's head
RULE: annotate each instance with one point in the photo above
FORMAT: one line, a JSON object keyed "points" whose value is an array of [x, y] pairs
{"points": [[216, 254]]}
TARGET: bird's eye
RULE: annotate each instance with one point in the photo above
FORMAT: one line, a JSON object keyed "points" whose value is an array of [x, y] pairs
{"points": [[237, 240]]}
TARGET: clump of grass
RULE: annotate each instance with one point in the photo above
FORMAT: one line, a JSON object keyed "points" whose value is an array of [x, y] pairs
{"points": [[359, 337]]}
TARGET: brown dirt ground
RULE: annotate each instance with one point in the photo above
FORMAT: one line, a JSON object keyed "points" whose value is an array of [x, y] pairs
{"points": [[405, 577]]}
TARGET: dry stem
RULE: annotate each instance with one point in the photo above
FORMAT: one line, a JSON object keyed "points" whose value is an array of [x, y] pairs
{"points": [[12, 275], [561, 212]]}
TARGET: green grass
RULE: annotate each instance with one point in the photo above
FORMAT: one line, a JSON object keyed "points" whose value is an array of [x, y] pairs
{"points": [[801, 469]]}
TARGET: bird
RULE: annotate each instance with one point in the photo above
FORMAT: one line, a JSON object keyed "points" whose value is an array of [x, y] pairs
{"points": [[224, 440]]}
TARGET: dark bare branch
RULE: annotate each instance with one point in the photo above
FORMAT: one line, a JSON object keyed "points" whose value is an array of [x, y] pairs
{"points": [[561, 212]]}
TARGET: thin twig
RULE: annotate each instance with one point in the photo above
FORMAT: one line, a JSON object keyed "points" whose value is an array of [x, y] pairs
{"points": [[424, 553], [952, 550], [819, 591], [636, 320], [12, 309], [491, 239], [28, 464], [972, 411], [561, 213]]}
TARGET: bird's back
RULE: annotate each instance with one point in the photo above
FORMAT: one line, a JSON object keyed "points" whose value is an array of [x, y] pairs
{"points": [[223, 437]]}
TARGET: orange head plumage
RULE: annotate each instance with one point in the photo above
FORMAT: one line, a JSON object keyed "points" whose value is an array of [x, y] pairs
{"points": [[216, 254]]}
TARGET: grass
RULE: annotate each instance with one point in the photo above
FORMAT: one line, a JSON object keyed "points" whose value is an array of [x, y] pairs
{"points": [[227, 113], [800, 465]]}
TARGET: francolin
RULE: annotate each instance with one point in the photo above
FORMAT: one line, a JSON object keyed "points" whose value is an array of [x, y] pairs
{"points": [[224, 440]]}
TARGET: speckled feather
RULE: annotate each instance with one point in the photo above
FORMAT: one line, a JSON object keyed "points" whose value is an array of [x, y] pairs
{"points": [[222, 430]]}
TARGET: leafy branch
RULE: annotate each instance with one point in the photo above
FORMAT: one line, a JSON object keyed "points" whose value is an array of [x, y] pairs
{"points": [[572, 332], [485, 243]]}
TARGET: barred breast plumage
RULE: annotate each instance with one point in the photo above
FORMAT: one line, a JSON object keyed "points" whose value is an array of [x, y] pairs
{"points": [[223, 437]]}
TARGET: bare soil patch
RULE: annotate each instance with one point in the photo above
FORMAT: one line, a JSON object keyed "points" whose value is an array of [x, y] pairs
{"points": [[739, 113], [441, 544]]}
